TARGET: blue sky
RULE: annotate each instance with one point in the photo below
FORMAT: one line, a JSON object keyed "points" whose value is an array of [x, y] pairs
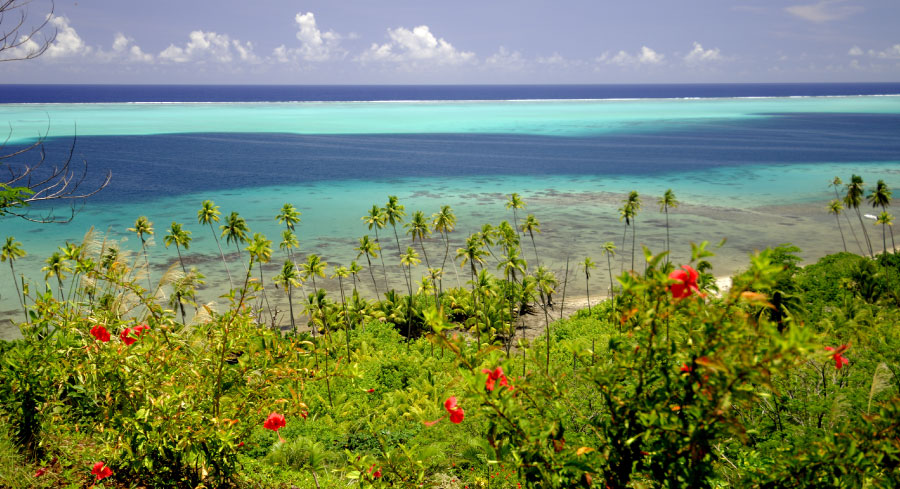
{"points": [[464, 41]]}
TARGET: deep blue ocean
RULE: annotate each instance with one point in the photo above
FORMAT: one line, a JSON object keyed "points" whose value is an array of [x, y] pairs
{"points": [[301, 93]]}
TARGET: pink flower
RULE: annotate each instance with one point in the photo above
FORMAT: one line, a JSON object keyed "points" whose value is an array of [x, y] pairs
{"points": [[493, 377], [839, 359], [686, 282], [101, 471], [100, 333]]}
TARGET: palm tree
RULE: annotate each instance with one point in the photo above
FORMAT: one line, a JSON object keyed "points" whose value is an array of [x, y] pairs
{"points": [[665, 202], [626, 212], [142, 227], [394, 213], [313, 267], [546, 282], [354, 272], [56, 267], [609, 249], [185, 291], [341, 272], [409, 260], [208, 214], [835, 207], [835, 184], [532, 225], [634, 201], [288, 242], [181, 238], [417, 227], [510, 264], [444, 222], [376, 219], [588, 264], [260, 249], [289, 278], [370, 249], [472, 253], [289, 216], [886, 220], [515, 202], [852, 200], [881, 197], [235, 230], [12, 251]]}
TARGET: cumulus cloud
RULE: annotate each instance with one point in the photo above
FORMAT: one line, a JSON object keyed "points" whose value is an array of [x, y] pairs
{"points": [[855, 51], [646, 56], [315, 45], [823, 11], [66, 44], [209, 46], [892, 52], [506, 60], [124, 47], [416, 45], [700, 55]]}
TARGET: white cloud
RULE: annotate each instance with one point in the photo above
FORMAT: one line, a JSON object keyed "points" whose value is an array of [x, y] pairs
{"points": [[700, 55], [892, 52], [506, 60], [646, 56], [68, 42], [855, 51], [416, 45], [315, 45], [209, 46], [124, 46], [823, 11]]}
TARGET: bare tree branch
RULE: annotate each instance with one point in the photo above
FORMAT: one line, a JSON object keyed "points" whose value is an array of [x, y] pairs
{"points": [[17, 42]]}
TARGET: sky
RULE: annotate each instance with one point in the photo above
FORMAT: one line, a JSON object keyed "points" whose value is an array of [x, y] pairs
{"points": [[457, 42]]}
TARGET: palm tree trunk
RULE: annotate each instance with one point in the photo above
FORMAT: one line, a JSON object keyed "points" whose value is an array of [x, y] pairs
{"points": [[383, 268], [633, 238], [537, 259], [230, 281], [562, 304], [424, 253], [668, 251], [587, 289], [291, 308], [612, 289], [400, 255], [377, 295], [346, 315], [178, 249], [22, 296], [849, 227], [838, 219], [624, 233], [147, 260], [865, 233]]}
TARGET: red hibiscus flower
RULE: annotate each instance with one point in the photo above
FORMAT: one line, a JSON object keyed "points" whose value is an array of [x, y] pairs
{"points": [[100, 333], [685, 367], [275, 422], [493, 377], [126, 337], [41, 471], [686, 282], [456, 413], [839, 359], [129, 335], [370, 391], [101, 471]]}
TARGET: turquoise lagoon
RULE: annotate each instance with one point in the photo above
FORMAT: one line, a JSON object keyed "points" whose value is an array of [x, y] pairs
{"points": [[740, 189]]}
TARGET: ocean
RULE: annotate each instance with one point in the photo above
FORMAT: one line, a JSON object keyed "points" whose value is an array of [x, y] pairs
{"points": [[749, 163]]}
